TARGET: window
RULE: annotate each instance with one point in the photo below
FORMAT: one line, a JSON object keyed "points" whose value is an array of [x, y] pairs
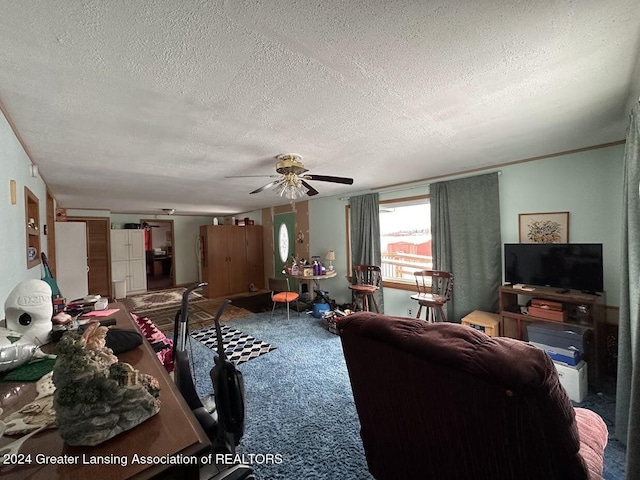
{"points": [[405, 239]]}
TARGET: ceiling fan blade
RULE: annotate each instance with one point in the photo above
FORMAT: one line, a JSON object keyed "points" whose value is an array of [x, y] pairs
{"points": [[328, 178], [310, 190], [265, 187]]}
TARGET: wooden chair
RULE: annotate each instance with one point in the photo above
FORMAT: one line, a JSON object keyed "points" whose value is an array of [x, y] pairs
{"points": [[367, 280], [280, 293], [434, 290]]}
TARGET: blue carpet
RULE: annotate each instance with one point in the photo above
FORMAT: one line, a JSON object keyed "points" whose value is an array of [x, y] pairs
{"points": [[300, 405]]}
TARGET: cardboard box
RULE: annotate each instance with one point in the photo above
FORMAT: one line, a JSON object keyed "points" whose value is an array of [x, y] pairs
{"points": [[547, 314], [573, 380], [546, 304], [486, 322]]}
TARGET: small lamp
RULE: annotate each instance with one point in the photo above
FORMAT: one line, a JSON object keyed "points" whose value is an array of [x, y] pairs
{"points": [[331, 256]]}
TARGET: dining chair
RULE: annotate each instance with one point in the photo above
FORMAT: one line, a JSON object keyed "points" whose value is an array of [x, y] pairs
{"points": [[435, 288], [366, 282], [281, 293]]}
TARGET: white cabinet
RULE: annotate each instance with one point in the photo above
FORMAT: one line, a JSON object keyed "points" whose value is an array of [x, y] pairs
{"points": [[128, 259]]}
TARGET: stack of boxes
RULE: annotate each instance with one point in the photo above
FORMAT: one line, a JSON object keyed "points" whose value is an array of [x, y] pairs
{"points": [[566, 345]]}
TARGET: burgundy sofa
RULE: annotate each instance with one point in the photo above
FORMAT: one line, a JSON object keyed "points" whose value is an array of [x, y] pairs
{"points": [[444, 401]]}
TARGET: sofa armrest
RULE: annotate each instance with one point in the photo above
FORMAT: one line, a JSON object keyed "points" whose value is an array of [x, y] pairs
{"points": [[593, 438]]}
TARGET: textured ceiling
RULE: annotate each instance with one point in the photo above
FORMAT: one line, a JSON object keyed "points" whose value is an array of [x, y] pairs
{"points": [[149, 104]]}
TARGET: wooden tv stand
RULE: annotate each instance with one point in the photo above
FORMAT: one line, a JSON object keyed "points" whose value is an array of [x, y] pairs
{"points": [[514, 323]]}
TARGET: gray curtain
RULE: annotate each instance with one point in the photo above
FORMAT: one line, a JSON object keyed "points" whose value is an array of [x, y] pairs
{"points": [[628, 384], [465, 229], [365, 234]]}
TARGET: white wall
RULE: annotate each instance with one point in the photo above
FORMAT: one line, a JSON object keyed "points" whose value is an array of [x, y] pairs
{"points": [[15, 165]]}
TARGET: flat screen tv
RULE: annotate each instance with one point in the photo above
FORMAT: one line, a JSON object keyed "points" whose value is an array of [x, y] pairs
{"points": [[575, 266]]}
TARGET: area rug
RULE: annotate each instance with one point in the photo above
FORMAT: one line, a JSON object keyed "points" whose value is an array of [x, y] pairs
{"points": [[299, 403], [164, 318], [172, 297], [238, 347]]}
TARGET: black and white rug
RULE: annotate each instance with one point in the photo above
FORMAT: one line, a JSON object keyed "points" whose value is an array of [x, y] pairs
{"points": [[238, 347]]}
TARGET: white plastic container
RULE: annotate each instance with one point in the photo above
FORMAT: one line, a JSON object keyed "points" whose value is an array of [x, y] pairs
{"points": [[120, 289], [573, 379]]}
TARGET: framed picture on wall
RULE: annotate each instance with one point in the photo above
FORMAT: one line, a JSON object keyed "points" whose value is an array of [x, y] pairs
{"points": [[552, 227]]}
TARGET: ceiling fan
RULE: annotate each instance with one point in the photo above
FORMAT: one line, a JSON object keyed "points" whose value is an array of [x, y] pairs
{"points": [[291, 181]]}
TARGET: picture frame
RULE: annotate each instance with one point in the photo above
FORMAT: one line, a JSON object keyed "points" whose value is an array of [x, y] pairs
{"points": [[550, 227]]}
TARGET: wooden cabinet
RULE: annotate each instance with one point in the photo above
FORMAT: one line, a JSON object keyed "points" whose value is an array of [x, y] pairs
{"points": [[231, 259], [128, 259], [32, 221], [581, 309], [255, 255]]}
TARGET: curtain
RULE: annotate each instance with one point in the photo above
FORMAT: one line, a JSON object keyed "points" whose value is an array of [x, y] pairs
{"points": [[365, 234], [628, 384], [465, 229]]}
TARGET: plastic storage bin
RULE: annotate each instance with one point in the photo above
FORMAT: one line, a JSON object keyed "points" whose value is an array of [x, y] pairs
{"points": [[574, 380]]}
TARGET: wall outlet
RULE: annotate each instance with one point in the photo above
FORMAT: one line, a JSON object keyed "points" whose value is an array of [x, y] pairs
{"points": [[410, 312]]}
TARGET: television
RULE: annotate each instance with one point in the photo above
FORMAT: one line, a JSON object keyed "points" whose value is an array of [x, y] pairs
{"points": [[574, 266]]}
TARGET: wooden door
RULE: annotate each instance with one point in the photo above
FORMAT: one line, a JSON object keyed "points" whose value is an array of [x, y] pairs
{"points": [[203, 255], [255, 256], [50, 232], [98, 257], [218, 260], [237, 251]]}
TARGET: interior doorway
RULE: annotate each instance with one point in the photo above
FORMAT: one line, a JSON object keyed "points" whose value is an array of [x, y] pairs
{"points": [[98, 256], [160, 260]]}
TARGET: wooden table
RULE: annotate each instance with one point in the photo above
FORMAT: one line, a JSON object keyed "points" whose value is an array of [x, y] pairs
{"points": [[173, 434]]}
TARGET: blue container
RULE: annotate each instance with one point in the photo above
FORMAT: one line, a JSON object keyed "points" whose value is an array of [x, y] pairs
{"points": [[318, 308]]}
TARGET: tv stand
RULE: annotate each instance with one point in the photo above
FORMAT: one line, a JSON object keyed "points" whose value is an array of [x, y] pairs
{"points": [[585, 309]]}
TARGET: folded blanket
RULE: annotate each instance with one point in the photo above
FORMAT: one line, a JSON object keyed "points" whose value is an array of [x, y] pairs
{"points": [[162, 345]]}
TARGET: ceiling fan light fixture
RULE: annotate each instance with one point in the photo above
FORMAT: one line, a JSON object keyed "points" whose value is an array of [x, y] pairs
{"points": [[290, 188]]}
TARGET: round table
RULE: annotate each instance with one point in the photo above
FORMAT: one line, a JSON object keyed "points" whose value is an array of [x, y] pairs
{"points": [[316, 278]]}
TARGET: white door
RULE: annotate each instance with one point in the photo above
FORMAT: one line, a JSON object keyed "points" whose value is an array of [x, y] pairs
{"points": [[71, 260]]}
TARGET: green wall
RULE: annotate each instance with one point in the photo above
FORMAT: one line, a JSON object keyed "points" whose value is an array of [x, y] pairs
{"points": [[588, 185]]}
